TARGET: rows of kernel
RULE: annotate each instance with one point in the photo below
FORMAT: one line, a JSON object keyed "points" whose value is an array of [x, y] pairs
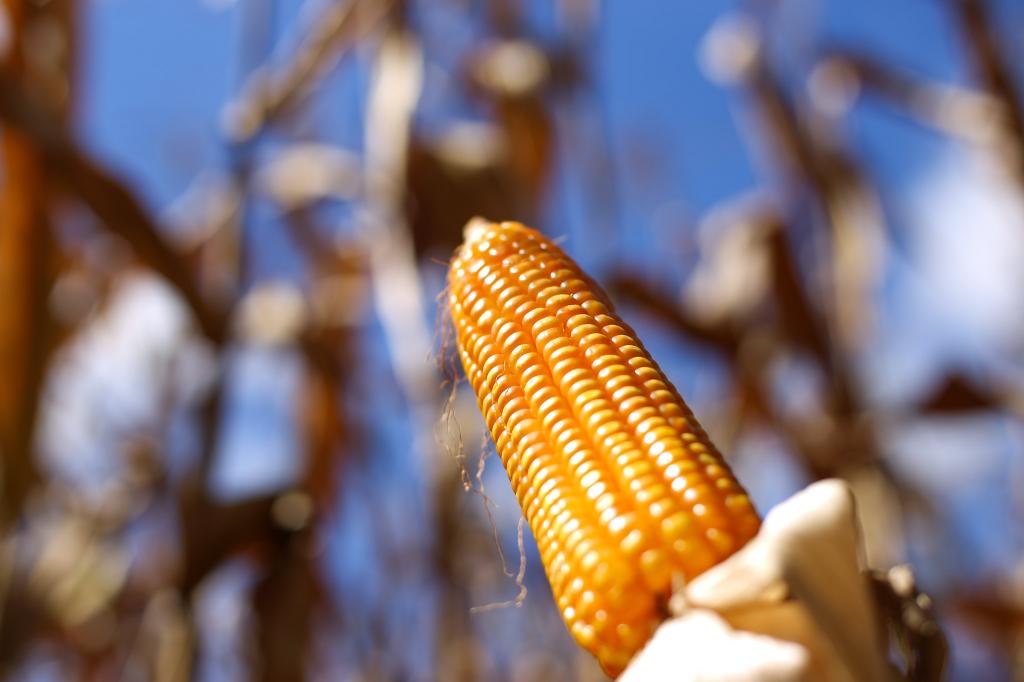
{"points": [[515, 380], [589, 298], [629, 632], [483, 363], [603, 424], [706, 504], [718, 500], [584, 608], [641, 393], [551, 546], [632, 634], [540, 482], [586, 407], [666, 398], [525, 368], [486, 382], [636, 406], [557, 415], [630, 406], [634, 616], [555, 412], [659, 416]]}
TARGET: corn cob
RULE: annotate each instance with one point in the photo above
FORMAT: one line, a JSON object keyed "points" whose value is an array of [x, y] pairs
{"points": [[621, 487]]}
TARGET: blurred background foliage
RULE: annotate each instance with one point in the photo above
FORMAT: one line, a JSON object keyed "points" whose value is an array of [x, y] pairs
{"points": [[228, 445]]}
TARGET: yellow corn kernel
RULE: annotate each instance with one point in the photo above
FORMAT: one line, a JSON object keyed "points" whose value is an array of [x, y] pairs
{"points": [[621, 487]]}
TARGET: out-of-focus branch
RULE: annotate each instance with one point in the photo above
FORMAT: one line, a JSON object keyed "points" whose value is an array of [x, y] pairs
{"points": [[586, 129], [323, 426], [285, 601], [954, 110], [117, 207], [806, 328], [326, 346], [26, 245], [835, 184], [123, 214], [273, 90], [395, 91], [993, 69], [850, 208], [212, 532]]}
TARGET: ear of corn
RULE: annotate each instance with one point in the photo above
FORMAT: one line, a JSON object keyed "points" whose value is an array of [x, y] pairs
{"points": [[620, 485]]}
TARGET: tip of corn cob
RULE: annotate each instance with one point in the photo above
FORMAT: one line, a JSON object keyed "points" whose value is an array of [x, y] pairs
{"points": [[478, 228], [475, 229], [623, 490]]}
